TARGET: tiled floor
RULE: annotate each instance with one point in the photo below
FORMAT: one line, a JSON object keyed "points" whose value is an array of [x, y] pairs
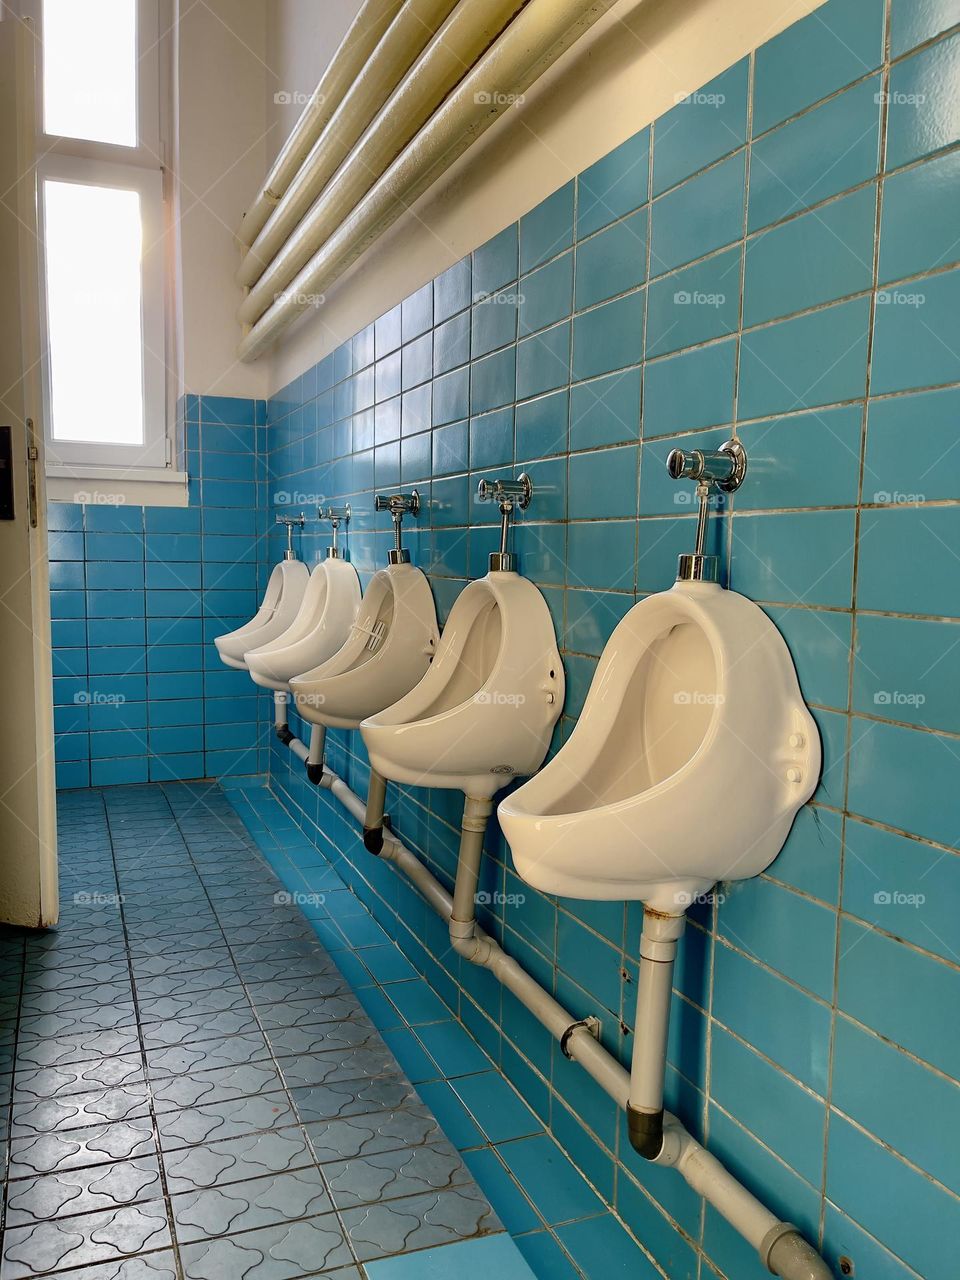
{"points": [[189, 1087]]}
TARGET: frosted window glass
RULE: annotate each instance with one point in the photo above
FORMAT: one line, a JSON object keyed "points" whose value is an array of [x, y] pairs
{"points": [[90, 70], [94, 312]]}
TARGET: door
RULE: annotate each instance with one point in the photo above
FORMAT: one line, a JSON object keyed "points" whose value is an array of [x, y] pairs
{"points": [[28, 829]]}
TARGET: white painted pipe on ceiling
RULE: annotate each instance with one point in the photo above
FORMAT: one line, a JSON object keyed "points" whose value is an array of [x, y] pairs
{"points": [[346, 64], [535, 39], [450, 43]]}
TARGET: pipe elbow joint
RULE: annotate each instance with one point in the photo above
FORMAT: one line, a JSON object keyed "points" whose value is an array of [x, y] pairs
{"points": [[315, 772], [785, 1253], [285, 734], [466, 943], [646, 1131], [373, 840]]}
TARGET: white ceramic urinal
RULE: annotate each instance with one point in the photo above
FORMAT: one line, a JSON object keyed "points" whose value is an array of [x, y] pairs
{"points": [[322, 625], [280, 605], [691, 757], [388, 650], [484, 712]]}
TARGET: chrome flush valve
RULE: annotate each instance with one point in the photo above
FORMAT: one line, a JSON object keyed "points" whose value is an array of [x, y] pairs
{"points": [[336, 516], [510, 494], [291, 523], [723, 469], [398, 504]]}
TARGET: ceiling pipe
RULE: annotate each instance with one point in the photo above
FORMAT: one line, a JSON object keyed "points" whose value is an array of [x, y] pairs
{"points": [[452, 47], [536, 38], [345, 65]]}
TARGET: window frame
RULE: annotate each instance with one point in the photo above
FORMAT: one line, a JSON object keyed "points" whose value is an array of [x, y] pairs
{"points": [[140, 168]]}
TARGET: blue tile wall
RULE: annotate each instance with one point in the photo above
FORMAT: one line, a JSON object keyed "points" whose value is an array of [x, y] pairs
{"points": [[138, 595], [776, 256]]}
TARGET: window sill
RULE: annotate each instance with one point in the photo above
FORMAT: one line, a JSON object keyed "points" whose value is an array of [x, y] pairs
{"points": [[138, 487]]}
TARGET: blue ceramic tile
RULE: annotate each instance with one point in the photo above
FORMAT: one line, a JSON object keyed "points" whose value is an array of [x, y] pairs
{"points": [[494, 323], [514, 1209], [545, 295], [905, 562], [694, 305], [491, 439], [701, 128], [810, 859], [387, 332], [889, 1198], [765, 920], [870, 1076], [494, 381], [416, 313], [924, 103], [450, 449], [702, 215], [788, 1119], [812, 259], [591, 618], [543, 361], [606, 410], [451, 344], [451, 397], [547, 230], [930, 468], [918, 226], [600, 554], [603, 1237], [546, 1257], [603, 484], [690, 390], [608, 337], [908, 670], [819, 642], [541, 426], [907, 351], [787, 172], [900, 885], [902, 777], [804, 558], [614, 186], [833, 46], [495, 1106], [498, 1252], [914, 21], [451, 291], [814, 359], [495, 263], [612, 262], [844, 1239], [775, 1017], [779, 450], [554, 1185]]}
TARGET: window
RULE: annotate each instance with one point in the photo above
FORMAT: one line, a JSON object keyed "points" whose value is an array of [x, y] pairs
{"points": [[102, 238]]}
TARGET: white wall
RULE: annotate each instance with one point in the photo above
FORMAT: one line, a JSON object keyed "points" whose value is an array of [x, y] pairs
{"points": [[625, 72], [222, 155]]}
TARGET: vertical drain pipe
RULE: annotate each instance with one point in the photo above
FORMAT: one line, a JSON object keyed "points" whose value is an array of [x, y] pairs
{"points": [[658, 952], [373, 817], [463, 921], [318, 737]]}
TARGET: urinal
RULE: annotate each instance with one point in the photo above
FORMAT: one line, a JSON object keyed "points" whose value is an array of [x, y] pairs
{"points": [[484, 712], [389, 647], [693, 752], [322, 625], [278, 609]]}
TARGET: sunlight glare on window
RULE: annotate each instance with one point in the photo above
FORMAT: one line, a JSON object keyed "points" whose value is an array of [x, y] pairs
{"points": [[93, 250], [90, 70]]}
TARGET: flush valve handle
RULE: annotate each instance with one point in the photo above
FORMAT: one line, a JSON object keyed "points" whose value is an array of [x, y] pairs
{"points": [[723, 469], [399, 505], [291, 523], [510, 494], [336, 516]]}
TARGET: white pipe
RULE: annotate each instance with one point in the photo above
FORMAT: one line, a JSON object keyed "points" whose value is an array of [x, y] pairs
{"points": [[782, 1249], [658, 951], [345, 65], [450, 51], [534, 41]]}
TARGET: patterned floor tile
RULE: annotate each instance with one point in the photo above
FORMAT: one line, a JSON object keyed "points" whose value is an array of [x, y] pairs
{"points": [[228, 1119], [375, 1178], [73, 1111], [352, 1136], [418, 1222], [236, 1160], [274, 1253], [353, 1097], [243, 1206], [75, 1148], [82, 1077], [227, 1051], [198, 1088], [60, 1243], [83, 1190]]}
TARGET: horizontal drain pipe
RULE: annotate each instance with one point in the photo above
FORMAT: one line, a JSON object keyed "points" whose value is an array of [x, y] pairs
{"points": [[656, 1134]]}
